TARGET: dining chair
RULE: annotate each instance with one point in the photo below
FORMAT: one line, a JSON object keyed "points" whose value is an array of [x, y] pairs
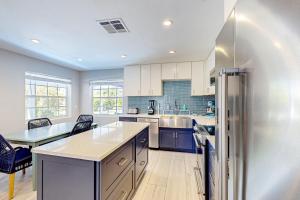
{"points": [[37, 123], [83, 118], [13, 160], [81, 127]]}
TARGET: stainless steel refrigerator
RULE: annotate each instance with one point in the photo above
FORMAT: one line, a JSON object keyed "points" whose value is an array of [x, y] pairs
{"points": [[258, 102]]}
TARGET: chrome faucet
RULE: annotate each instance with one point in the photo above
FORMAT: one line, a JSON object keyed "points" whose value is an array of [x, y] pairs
{"points": [[176, 108]]}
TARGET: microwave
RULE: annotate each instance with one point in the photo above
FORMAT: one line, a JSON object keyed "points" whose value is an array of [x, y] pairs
{"points": [[212, 78], [212, 81]]}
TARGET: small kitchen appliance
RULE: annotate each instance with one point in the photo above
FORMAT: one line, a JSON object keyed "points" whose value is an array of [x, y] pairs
{"points": [[133, 111], [151, 110], [210, 109]]}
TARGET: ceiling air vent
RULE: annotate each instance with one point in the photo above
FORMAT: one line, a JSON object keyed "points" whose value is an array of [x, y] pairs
{"points": [[113, 25]]}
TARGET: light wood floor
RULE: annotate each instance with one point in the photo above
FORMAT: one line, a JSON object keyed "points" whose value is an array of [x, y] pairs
{"points": [[169, 176]]}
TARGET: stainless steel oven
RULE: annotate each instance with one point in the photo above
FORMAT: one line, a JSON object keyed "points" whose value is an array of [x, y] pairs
{"points": [[200, 148]]}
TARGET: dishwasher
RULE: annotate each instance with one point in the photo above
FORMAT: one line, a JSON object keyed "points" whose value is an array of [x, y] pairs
{"points": [[153, 131]]}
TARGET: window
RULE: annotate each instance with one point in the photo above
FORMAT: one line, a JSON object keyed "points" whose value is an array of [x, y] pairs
{"points": [[46, 96], [107, 97]]}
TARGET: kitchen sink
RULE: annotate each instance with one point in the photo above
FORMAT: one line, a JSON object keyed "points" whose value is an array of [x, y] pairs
{"points": [[175, 121]]}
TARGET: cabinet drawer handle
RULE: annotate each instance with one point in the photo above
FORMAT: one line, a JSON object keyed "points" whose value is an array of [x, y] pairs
{"points": [[123, 195], [122, 162], [143, 141], [142, 163]]}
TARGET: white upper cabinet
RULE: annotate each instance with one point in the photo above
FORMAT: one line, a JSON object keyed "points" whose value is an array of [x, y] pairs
{"points": [[198, 79], [132, 80], [177, 71], [184, 71], [146, 80], [156, 82], [169, 71], [209, 66]]}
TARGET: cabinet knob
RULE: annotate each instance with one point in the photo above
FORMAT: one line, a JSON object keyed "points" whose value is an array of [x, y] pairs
{"points": [[142, 163], [143, 141]]}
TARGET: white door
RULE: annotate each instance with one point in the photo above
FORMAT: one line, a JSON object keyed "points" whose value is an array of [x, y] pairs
{"points": [[198, 79], [156, 82], [146, 80], [169, 71], [184, 71], [132, 80]]}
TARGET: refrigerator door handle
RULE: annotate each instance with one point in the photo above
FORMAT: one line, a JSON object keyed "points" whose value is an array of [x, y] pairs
{"points": [[229, 132], [223, 136]]}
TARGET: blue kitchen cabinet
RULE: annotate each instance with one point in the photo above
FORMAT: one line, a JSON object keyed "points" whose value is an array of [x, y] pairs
{"points": [[167, 139], [176, 139], [184, 140]]}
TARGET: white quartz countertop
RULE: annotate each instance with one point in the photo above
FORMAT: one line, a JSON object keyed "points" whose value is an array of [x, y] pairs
{"points": [[201, 120], [141, 115], [212, 140], [204, 120], [94, 145]]}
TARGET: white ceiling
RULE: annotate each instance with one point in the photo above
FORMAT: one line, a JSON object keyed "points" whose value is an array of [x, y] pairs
{"points": [[68, 30]]}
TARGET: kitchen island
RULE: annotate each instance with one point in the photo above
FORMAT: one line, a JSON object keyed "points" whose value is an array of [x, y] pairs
{"points": [[106, 163]]}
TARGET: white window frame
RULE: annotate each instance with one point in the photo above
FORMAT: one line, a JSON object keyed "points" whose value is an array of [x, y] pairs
{"points": [[48, 81], [106, 82]]}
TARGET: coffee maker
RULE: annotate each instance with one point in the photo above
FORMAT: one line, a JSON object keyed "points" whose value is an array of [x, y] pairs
{"points": [[210, 109], [151, 110]]}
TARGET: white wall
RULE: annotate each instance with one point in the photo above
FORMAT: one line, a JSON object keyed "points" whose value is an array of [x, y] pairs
{"points": [[85, 92], [12, 85], [228, 8]]}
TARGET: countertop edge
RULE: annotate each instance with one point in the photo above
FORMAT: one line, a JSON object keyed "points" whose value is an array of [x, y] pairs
{"points": [[198, 118]]}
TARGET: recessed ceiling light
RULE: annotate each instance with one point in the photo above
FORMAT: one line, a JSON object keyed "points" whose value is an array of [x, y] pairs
{"points": [[172, 52], [167, 22], [277, 44], [79, 59], [124, 56], [35, 41]]}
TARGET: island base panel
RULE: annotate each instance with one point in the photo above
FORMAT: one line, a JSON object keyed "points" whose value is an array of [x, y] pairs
{"points": [[66, 178]]}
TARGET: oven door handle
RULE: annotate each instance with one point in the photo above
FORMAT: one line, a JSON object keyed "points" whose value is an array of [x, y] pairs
{"points": [[198, 146], [196, 128]]}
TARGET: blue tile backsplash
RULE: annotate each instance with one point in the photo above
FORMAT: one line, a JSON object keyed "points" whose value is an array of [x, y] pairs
{"points": [[174, 90]]}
